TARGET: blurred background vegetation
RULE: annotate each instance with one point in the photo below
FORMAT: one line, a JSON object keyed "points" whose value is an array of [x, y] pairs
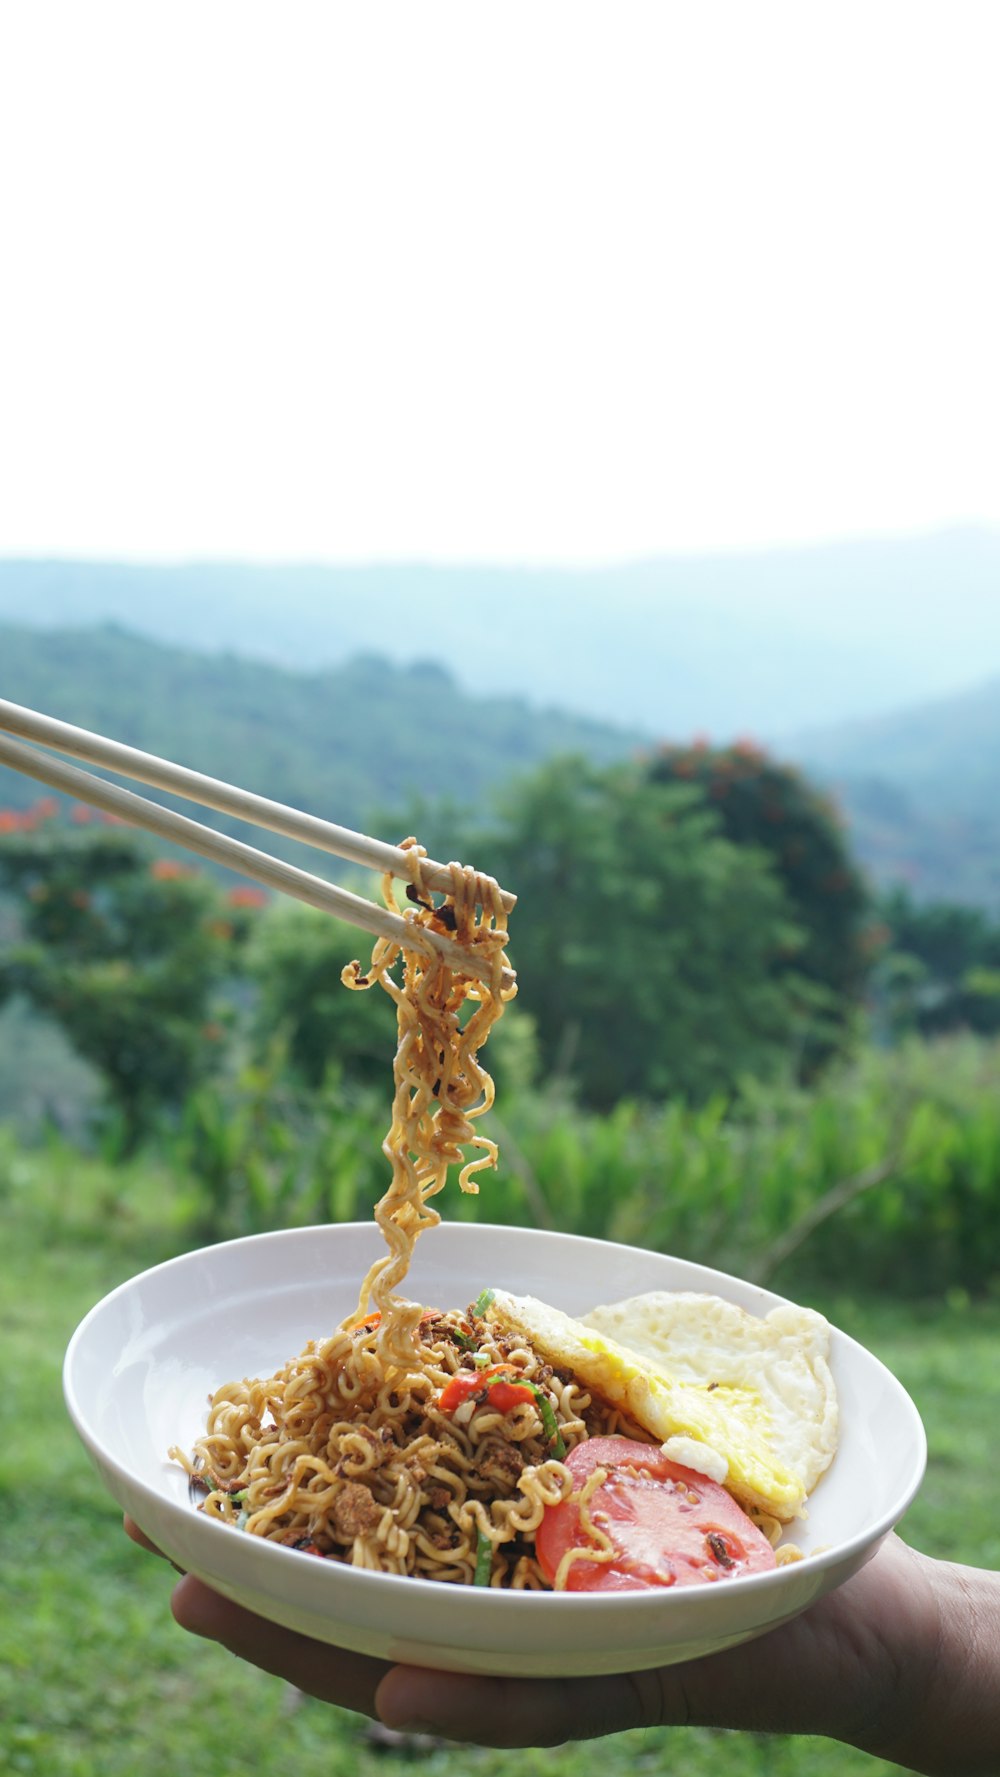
{"points": [[727, 1042]]}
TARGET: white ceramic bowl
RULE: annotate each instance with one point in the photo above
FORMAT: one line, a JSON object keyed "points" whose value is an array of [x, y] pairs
{"points": [[141, 1365]]}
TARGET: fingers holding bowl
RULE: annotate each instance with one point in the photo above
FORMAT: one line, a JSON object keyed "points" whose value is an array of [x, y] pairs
{"points": [[139, 1537], [332, 1674]]}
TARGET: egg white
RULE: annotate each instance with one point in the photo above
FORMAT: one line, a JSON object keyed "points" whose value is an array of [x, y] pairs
{"points": [[754, 1395]]}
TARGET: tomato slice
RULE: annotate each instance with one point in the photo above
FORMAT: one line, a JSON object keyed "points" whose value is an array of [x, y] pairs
{"points": [[669, 1526]]}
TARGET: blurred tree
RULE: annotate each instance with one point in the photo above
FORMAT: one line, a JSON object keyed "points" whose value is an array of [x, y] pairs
{"points": [[762, 803], [941, 968], [295, 963], [655, 956], [128, 953]]}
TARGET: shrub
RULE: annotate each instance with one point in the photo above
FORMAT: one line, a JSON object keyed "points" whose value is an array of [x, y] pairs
{"points": [[655, 956], [130, 955], [885, 1178], [761, 802]]}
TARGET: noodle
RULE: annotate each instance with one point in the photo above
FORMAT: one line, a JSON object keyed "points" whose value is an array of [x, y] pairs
{"points": [[440, 1087], [336, 1455], [347, 1451]]}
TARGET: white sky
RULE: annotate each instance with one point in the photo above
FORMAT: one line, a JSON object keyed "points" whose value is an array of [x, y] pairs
{"points": [[542, 279]]}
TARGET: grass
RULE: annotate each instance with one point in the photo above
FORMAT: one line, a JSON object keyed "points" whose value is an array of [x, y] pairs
{"points": [[95, 1679]]}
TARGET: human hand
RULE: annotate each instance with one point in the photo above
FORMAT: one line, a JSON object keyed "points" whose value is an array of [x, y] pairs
{"points": [[881, 1663]]}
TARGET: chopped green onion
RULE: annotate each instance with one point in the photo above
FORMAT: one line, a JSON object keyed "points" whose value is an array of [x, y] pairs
{"points": [[242, 1520], [465, 1340], [550, 1425], [482, 1360], [484, 1560], [483, 1301]]}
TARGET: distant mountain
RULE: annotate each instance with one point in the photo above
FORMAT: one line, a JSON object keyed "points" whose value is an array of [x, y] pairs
{"points": [[348, 743], [945, 752], [764, 644], [922, 789]]}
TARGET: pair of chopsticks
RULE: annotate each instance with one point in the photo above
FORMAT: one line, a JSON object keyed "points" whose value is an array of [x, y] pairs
{"points": [[210, 792]]}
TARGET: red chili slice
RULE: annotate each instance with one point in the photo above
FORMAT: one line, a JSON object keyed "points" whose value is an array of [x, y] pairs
{"points": [[503, 1394]]}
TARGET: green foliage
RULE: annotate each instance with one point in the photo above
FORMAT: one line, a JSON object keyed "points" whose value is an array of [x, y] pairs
{"points": [[661, 1004], [258, 1152], [653, 954], [762, 803], [129, 955], [885, 1177], [295, 963], [941, 968]]}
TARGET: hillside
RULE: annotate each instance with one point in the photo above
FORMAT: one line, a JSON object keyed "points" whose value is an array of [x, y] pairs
{"points": [[944, 754], [922, 789], [763, 643], [350, 742]]}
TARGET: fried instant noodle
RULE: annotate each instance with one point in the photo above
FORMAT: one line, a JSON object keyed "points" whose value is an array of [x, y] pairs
{"points": [[341, 1457], [411, 1440], [346, 1451]]}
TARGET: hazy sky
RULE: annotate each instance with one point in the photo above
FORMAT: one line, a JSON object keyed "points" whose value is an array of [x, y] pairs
{"points": [[524, 281]]}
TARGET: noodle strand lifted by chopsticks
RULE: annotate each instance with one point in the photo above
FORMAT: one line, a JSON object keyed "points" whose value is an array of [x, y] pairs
{"points": [[440, 1088]]}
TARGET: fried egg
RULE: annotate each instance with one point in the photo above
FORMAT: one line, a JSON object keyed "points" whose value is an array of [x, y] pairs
{"points": [[750, 1402]]}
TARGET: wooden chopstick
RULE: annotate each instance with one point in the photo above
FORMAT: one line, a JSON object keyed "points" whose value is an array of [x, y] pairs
{"points": [[274, 873], [211, 792]]}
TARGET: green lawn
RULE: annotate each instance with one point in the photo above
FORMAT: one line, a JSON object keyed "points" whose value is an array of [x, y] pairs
{"points": [[96, 1681]]}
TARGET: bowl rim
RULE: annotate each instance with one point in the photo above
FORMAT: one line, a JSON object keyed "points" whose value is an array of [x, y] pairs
{"points": [[695, 1598]]}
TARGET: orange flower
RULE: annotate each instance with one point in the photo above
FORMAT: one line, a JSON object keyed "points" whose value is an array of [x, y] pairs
{"points": [[81, 814], [875, 938], [167, 869], [247, 897], [10, 820]]}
